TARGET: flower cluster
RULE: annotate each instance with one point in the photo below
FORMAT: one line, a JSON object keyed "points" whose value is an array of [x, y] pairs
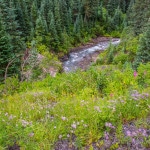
{"points": [[107, 124], [25, 123], [97, 109], [106, 136], [84, 103], [136, 95], [136, 133], [64, 118]]}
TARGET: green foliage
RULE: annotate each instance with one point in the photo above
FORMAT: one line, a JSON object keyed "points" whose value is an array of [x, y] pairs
{"points": [[11, 86], [5, 50], [117, 19], [39, 114], [101, 82], [144, 75], [120, 58], [138, 15], [42, 48], [143, 52], [107, 56]]}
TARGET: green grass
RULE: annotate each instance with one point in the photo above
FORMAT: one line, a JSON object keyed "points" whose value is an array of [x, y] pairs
{"points": [[37, 114]]}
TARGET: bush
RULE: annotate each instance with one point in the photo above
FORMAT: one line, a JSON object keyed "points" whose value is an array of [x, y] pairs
{"points": [[144, 74], [42, 48], [110, 53], [11, 86], [101, 82], [120, 58]]}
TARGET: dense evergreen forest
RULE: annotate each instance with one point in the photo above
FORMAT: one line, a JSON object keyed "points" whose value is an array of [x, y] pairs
{"points": [[56, 25]]}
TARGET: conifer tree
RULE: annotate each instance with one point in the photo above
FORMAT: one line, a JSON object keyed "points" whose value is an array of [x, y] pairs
{"points": [[57, 18], [111, 6], [53, 31], [100, 13], [40, 29], [138, 15], [34, 13], [117, 19], [13, 29], [143, 52], [5, 49]]}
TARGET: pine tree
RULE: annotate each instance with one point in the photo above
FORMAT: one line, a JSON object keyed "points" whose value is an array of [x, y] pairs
{"points": [[138, 15], [34, 13], [5, 49], [12, 28], [143, 52], [117, 19], [64, 15], [100, 13], [55, 41], [23, 19], [40, 30], [111, 6], [57, 18], [123, 6]]}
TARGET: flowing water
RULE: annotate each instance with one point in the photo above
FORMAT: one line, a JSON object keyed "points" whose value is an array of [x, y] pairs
{"points": [[76, 59]]}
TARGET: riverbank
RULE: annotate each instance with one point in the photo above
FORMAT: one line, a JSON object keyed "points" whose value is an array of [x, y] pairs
{"points": [[81, 57], [87, 45]]}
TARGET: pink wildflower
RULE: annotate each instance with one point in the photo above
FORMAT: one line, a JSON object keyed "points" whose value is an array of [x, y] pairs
{"points": [[111, 94], [135, 74]]}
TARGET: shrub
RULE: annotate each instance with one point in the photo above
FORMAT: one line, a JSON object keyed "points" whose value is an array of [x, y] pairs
{"points": [[101, 82], [120, 58], [11, 86], [110, 53], [144, 74]]}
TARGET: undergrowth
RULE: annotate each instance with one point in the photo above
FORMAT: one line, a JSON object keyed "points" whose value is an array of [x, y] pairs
{"points": [[35, 115]]}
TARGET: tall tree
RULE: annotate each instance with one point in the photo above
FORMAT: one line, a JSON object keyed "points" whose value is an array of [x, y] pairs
{"points": [[138, 15], [5, 49], [13, 29], [143, 52]]}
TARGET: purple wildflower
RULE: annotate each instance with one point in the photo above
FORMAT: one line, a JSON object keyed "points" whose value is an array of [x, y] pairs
{"points": [[107, 124]]}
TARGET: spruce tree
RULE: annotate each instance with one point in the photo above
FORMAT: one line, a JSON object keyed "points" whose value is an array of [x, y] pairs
{"points": [[34, 13], [5, 50], [138, 15], [117, 19], [57, 17], [52, 27], [13, 29], [111, 6], [143, 52]]}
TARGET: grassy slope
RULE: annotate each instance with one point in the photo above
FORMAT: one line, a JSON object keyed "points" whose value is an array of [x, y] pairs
{"points": [[36, 114]]}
